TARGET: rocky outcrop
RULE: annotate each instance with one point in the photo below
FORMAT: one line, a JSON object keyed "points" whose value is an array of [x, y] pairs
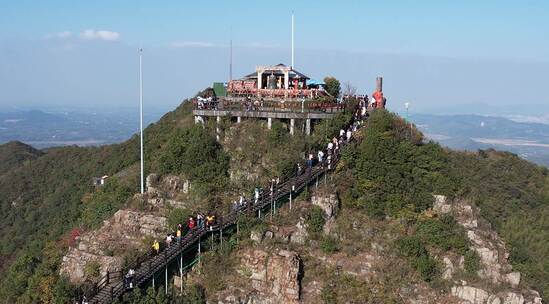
{"points": [[493, 255], [274, 277], [164, 191], [124, 231], [360, 265], [473, 295], [329, 203], [490, 248], [448, 268], [170, 184], [300, 235]]}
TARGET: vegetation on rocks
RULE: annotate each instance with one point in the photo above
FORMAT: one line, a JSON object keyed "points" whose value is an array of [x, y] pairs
{"points": [[386, 180], [48, 194], [315, 220], [194, 153], [443, 233], [471, 262], [413, 248], [105, 202], [395, 174]]}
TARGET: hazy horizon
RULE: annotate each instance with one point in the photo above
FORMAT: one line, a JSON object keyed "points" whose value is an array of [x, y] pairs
{"points": [[466, 55]]}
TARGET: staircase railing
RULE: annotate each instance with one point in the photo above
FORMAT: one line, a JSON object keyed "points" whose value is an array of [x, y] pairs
{"points": [[146, 269]]}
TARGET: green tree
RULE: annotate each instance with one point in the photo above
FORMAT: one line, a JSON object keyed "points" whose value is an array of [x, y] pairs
{"points": [[315, 220], [333, 86], [471, 262], [196, 154], [105, 202], [412, 248], [444, 233]]}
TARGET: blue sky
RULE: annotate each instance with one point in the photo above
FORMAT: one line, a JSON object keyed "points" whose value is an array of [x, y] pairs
{"points": [[82, 53]]}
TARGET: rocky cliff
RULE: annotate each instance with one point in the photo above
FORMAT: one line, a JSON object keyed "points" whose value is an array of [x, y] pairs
{"points": [[106, 246], [499, 283], [125, 232], [276, 268]]}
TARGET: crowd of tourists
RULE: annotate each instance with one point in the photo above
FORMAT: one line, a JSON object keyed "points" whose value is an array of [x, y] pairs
{"points": [[198, 222], [325, 158]]}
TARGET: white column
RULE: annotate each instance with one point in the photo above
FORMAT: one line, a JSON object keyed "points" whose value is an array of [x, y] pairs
{"points": [[217, 129], [286, 80], [292, 123], [259, 78], [308, 126], [141, 116], [238, 119], [269, 123], [292, 40], [181, 272]]}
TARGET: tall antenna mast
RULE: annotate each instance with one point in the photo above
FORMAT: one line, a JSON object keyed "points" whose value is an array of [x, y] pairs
{"points": [[231, 59], [292, 66], [141, 113]]}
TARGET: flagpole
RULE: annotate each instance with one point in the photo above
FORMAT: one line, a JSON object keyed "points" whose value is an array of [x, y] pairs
{"points": [[141, 113], [231, 60], [230, 53], [292, 40]]}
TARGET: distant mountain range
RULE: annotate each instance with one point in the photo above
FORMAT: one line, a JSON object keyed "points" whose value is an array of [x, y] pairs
{"points": [[523, 135], [472, 132], [46, 129]]}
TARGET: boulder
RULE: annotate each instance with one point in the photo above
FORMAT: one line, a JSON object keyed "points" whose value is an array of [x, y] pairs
{"points": [[174, 184], [328, 203], [513, 278], [513, 298], [256, 236], [274, 276], [300, 235], [151, 182], [448, 269], [440, 206], [472, 294]]}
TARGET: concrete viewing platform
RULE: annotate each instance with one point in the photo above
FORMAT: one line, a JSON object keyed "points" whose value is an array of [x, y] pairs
{"points": [[307, 115], [267, 109], [265, 114]]}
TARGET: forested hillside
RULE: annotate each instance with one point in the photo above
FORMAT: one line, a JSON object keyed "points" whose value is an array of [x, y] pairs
{"points": [[513, 195], [388, 177], [396, 176], [14, 154], [45, 201]]}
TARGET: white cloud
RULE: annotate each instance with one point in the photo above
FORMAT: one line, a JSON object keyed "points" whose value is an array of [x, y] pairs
{"points": [[100, 35], [185, 44], [59, 35]]}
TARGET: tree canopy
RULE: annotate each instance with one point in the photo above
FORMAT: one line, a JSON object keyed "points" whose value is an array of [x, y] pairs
{"points": [[333, 86], [195, 153]]}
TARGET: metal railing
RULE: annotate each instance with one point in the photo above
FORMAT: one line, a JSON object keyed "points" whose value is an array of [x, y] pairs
{"points": [[308, 106], [107, 289]]}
